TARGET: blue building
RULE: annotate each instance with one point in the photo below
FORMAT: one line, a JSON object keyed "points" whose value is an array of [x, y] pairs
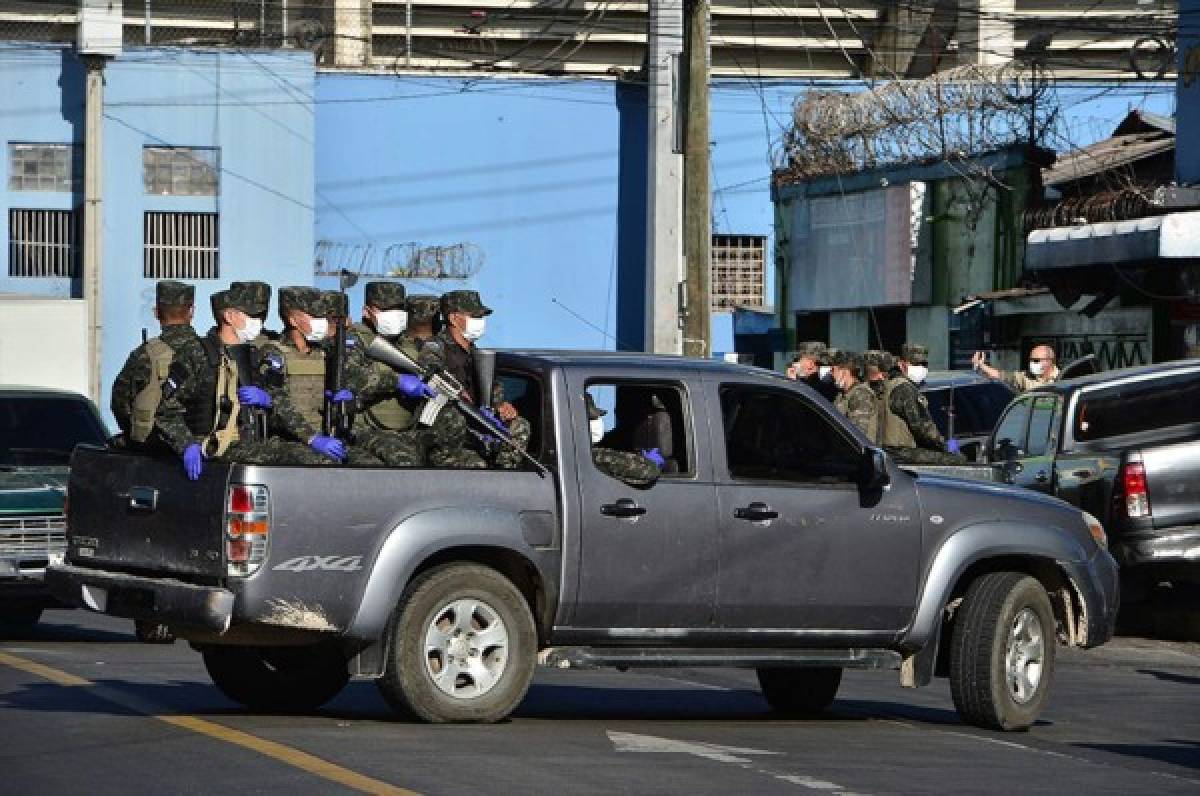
{"points": [[208, 178]]}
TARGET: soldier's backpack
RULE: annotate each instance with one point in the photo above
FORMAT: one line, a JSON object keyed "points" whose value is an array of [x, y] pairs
{"points": [[145, 403]]}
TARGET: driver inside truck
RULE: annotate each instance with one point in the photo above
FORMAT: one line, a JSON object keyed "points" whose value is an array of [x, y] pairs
{"points": [[636, 469]]}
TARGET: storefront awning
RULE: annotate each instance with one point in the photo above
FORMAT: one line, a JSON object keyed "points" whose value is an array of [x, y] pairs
{"points": [[1139, 240]]}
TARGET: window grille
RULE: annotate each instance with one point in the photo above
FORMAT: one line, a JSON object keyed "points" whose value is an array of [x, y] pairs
{"points": [[42, 167], [179, 171], [180, 246], [42, 243], [738, 271]]}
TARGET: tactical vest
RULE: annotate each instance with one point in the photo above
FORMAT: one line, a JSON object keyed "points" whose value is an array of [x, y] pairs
{"points": [[145, 403], [306, 382], [893, 431], [391, 415]]}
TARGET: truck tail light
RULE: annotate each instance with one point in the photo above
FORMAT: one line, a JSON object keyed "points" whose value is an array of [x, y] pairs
{"points": [[247, 528], [1134, 489]]}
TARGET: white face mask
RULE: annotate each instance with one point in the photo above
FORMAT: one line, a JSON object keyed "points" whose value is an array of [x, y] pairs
{"points": [[1037, 367], [319, 327], [597, 428], [917, 373], [475, 328], [251, 330], [391, 322], [824, 371]]}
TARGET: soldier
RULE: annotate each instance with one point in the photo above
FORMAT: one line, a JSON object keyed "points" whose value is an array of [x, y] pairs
{"points": [[913, 362], [905, 424], [257, 296], [422, 313], [856, 401], [1042, 369], [633, 468], [155, 371], [876, 365], [806, 367]]}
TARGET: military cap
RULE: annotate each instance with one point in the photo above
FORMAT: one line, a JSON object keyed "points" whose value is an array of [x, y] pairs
{"points": [[881, 360], [811, 348], [169, 293], [219, 302], [828, 354], [851, 361], [306, 299], [915, 353], [255, 297], [467, 301], [422, 307], [336, 303], [384, 295], [594, 412]]}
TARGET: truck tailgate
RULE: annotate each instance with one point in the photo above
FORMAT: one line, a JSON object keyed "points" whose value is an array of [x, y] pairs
{"points": [[1173, 480], [134, 512]]}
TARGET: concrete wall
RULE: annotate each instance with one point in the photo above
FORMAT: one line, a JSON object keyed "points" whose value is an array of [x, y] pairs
{"points": [[256, 107], [43, 343]]}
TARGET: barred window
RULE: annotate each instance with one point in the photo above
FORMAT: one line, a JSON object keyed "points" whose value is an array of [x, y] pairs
{"points": [[179, 171], [180, 246], [42, 167], [42, 243], [738, 271]]}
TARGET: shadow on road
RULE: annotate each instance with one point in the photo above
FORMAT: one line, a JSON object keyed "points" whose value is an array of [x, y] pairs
{"points": [[1171, 677], [1185, 754], [61, 631]]}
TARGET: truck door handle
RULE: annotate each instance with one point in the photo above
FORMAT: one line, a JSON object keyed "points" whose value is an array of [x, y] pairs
{"points": [[756, 512], [142, 498], [1041, 477], [622, 508]]}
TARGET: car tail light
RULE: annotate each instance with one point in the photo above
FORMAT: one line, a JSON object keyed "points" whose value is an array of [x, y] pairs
{"points": [[247, 528], [1134, 489]]}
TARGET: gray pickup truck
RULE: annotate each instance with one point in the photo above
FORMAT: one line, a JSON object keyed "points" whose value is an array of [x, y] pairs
{"points": [[775, 538], [1124, 446]]}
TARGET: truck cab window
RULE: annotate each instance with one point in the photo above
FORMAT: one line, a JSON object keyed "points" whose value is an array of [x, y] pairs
{"points": [[642, 416], [774, 435], [1009, 441], [525, 394], [1041, 426]]}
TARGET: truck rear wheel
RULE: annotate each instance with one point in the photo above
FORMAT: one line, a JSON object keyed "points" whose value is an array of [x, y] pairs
{"points": [[1002, 652], [463, 647], [278, 679], [799, 690]]}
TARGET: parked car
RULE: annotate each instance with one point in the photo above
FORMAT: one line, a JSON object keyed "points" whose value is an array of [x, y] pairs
{"points": [[39, 428], [965, 407], [776, 538], [1123, 445]]}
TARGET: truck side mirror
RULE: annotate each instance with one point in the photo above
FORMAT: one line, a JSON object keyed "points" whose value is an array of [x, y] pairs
{"points": [[875, 475]]}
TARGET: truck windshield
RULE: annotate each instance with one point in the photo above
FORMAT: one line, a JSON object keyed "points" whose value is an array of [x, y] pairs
{"points": [[1140, 406], [43, 430]]}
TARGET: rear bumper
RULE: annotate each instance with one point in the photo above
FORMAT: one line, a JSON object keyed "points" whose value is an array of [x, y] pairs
{"points": [[1165, 546], [137, 597]]}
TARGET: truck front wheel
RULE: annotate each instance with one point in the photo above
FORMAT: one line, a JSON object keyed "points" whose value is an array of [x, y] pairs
{"points": [[799, 691], [463, 647], [278, 679], [1002, 652]]}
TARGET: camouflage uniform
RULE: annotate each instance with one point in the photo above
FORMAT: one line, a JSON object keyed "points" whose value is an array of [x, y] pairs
{"points": [[632, 468], [1021, 381], [858, 403]]}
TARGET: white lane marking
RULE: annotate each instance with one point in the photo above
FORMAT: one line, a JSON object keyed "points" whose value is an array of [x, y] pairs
{"points": [[629, 742]]}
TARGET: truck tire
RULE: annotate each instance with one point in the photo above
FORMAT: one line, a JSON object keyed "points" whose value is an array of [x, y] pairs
{"points": [[19, 617], [463, 647], [1002, 652], [278, 679], [799, 691]]}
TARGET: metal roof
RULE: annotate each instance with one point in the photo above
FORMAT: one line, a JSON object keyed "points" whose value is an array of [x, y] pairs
{"points": [[1106, 155], [1092, 379]]}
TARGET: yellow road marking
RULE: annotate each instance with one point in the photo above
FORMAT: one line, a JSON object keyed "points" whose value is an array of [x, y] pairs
{"points": [[277, 751]]}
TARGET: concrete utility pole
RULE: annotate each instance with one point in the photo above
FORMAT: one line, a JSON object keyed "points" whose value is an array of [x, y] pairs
{"points": [[697, 199], [664, 178]]}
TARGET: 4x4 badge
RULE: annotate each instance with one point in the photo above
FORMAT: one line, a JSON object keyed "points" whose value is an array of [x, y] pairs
{"points": [[325, 563]]}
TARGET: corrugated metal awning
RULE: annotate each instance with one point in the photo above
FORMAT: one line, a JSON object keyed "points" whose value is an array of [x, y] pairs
{"points": [[1170, 236]]}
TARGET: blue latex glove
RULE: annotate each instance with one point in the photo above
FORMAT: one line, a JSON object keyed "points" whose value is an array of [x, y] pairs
{"points": [[411, 386], [653, 455], [332, 447], [952, 445], [341, 396], [193, 461], [493, 419], [254, 396]]}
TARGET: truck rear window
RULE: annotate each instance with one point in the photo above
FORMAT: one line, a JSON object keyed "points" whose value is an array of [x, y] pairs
{"points": [[38, 431], [1149, 405]]}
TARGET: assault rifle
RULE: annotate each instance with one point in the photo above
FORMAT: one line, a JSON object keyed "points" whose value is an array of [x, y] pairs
{"points": [[446, 390], [338, 418]]}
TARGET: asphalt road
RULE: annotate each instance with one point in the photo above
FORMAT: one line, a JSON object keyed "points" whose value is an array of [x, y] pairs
{"points": [[86, 709]]}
